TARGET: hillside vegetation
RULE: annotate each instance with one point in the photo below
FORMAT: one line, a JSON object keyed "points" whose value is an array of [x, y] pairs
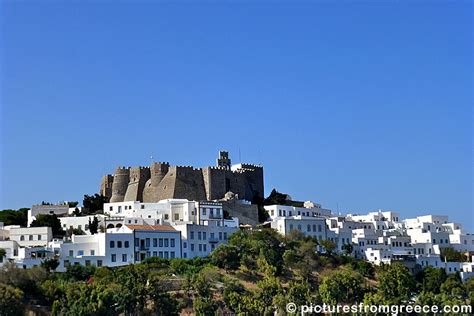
{"points": [[257, 273]]}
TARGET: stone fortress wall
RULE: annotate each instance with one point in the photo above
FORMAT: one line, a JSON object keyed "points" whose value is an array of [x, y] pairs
{"points": [[162, 181]]}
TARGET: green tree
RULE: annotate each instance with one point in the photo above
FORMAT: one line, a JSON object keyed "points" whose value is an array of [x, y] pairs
{"points": [[342, 286], [14, 217], [75, 231], [94, 225], [432, 279], [3, 253], [396, 284], [50, 264], [50, 220], [453, 291], [163, 303], [347, 249], [226, 257], [93, 204], [328, 245], [451, 255], [249, 245], [79, 272], [205, 306], [10, 301]]}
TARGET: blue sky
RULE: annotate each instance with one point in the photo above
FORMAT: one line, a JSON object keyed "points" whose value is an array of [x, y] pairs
{"points": [[356, 105]]}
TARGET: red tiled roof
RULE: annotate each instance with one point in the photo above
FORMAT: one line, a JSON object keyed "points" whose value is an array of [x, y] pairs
{"points": [[151, 227]]}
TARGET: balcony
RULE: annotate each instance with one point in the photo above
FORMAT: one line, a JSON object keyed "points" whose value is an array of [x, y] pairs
{"points": [[213, 240]]}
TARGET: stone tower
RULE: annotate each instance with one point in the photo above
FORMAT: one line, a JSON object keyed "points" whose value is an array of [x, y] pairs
{"points": [[138, 177], [223, 159], [120, 184], [158, 170], [106, 185]]}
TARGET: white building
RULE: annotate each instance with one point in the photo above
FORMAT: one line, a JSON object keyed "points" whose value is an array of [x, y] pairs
{"points": [[59, 210], [30, 236], [82, 222], [310, 209], [117, 247]]}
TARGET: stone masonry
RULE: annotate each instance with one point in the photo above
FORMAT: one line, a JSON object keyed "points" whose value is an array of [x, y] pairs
{"points": [[162, 181]]}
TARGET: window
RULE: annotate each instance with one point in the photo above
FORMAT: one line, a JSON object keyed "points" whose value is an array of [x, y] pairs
{"points": [[199, 235], [142, 207], [39, 237], [314, 227], [191, 235], [155, 242], [308, 228], [185, 245], [147, 242], [204, 211], [30, 237], [204, 235], [112, 244], [80, 253], [166, 242], [200, 247], [204, 247], [124, 257], [192, 247], [161, 242], [166, 255], [172, 242], [225, 235], [88, 263], [92, 252], [127, 244], [119, 244], [160, 254], [320, 228], [172, 254], [111, 208], [113, 257], [291, 227], [167, 216], [220, 235], [66, 263], [155, 254], [71, 253], [176, 217]]}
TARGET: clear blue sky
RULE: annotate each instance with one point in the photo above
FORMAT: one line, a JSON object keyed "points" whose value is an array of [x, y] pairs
{"points": [[360, 105]]}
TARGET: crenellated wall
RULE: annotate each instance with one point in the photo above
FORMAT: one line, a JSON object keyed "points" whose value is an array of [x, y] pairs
{"points": [[106, 185], [161, 181], [138, 177], [158, 171]]}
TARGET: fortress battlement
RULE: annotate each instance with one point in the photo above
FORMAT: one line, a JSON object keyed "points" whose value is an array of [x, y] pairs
{"points": [[161, 181]]}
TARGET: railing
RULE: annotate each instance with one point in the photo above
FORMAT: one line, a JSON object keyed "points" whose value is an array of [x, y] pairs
{"points": [[213, 240]]}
